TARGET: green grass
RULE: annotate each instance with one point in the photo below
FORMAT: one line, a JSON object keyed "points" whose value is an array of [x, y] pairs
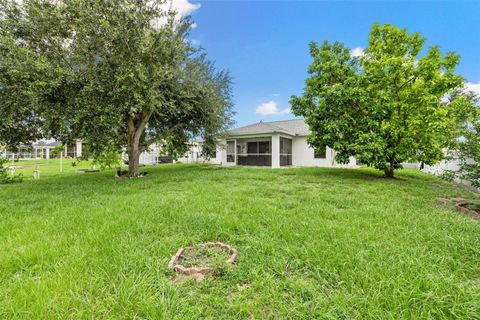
{"points": [[48, 167], [312, 243]]}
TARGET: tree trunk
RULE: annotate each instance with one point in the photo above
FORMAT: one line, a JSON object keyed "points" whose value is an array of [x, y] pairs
{"points": [[135, 129], [133, 159], [390, 170]]}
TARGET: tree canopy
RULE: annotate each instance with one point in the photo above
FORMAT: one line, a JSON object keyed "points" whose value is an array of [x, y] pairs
{"points": [[385, 107], [466, 148], [117, 74]]}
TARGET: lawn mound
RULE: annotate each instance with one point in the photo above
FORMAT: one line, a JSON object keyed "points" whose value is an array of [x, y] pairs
{"points": [[199, 260]]}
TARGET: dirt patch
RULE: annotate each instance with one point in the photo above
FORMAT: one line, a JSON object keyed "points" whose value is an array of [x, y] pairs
{"points": [[203, 259], [86, 170], [123, 174], [471, 209]]}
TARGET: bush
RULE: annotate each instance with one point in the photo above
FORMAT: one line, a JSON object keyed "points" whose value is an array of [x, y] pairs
{"points": [[448, 175], [5, 176], [108, 159], [471, 172], [469, 154]]}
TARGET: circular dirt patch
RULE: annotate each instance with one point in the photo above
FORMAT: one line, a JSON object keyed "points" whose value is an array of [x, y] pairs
{"points": [[199, 260]]}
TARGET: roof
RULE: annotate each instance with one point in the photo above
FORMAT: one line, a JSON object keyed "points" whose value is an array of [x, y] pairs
{"points": [[296, 127], [47, 144]]}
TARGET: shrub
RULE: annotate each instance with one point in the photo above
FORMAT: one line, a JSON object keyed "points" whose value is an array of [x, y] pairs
{"points": [[5, 176], [469, 153], [108, 159], [448, 175]]}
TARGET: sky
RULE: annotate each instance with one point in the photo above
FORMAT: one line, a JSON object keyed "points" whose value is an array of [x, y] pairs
{"points": [[264, 44]]}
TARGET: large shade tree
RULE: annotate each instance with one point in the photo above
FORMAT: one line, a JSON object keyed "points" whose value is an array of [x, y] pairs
{"points": [[385, 107], [121, 75]]}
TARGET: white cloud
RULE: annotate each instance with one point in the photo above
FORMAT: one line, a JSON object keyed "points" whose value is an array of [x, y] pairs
{"points": [[475, 87], [183, 7], [276, 94], [271, 108], [357, 52]]}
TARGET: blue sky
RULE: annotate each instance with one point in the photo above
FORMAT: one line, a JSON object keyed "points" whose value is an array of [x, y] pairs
{"points": [[264, 44]]}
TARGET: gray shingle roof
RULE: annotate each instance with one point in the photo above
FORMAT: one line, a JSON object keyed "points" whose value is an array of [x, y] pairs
{"points": [[296, 127]]}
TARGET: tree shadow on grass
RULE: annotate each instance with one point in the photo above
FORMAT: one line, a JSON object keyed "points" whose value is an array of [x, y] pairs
{"points": [[360, 174]]}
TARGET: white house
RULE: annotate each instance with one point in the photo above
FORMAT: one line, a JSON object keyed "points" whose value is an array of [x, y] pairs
{"points": [[154, 155], [274, 144], [42, 150]]}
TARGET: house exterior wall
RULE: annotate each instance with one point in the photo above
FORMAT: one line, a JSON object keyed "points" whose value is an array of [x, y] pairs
{"points": [[452, 163], [78, 148], [275, 151], [304, 156], [220, 154], [302, 153], [193, 155]]}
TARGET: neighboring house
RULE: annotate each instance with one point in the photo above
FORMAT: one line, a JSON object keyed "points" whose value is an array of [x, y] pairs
{"points": [[43, 150], [451, 164], [194, 153], [274, 144], [154, 155]]}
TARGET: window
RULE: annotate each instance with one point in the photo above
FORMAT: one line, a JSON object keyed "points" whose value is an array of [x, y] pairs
{"points": [[264, 147], [230, 151], [258, 147], [285, 152], [320, 152], [285, 146], [252, 147]]}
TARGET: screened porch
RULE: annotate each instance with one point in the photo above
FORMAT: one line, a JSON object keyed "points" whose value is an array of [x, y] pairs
{"points": [[260, 151]]}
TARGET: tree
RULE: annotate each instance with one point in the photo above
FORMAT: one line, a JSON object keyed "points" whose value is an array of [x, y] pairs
{"points": [[382, 108], [19, 121], [467, 146], [123, 74]]}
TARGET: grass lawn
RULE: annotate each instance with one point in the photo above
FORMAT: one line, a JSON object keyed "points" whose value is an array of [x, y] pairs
{"points": [[312, 243], [49, 167]]}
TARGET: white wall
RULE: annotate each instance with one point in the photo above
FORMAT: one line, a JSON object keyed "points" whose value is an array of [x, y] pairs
{"points": [[275, 151], [79, 147], [194, 155], [303, 156], [219, 156], [452, 164]]}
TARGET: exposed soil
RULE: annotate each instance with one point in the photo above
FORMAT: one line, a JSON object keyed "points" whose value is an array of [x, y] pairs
{"points": [[200, 260], [471, 209], [212, 257], [86, 170]]}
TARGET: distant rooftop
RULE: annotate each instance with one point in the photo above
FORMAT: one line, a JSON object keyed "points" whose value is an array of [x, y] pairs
{"points": [[46, 144], [296, 127]]}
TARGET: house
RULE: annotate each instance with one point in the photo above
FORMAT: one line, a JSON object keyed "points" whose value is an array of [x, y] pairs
{"points": [[43, 150], [152, 156], [194, 153], [155, 156], [448, 168], [274, 144]]}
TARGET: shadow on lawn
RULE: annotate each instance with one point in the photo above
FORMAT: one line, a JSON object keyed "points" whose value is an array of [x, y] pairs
{"points": [[354, 174]]}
